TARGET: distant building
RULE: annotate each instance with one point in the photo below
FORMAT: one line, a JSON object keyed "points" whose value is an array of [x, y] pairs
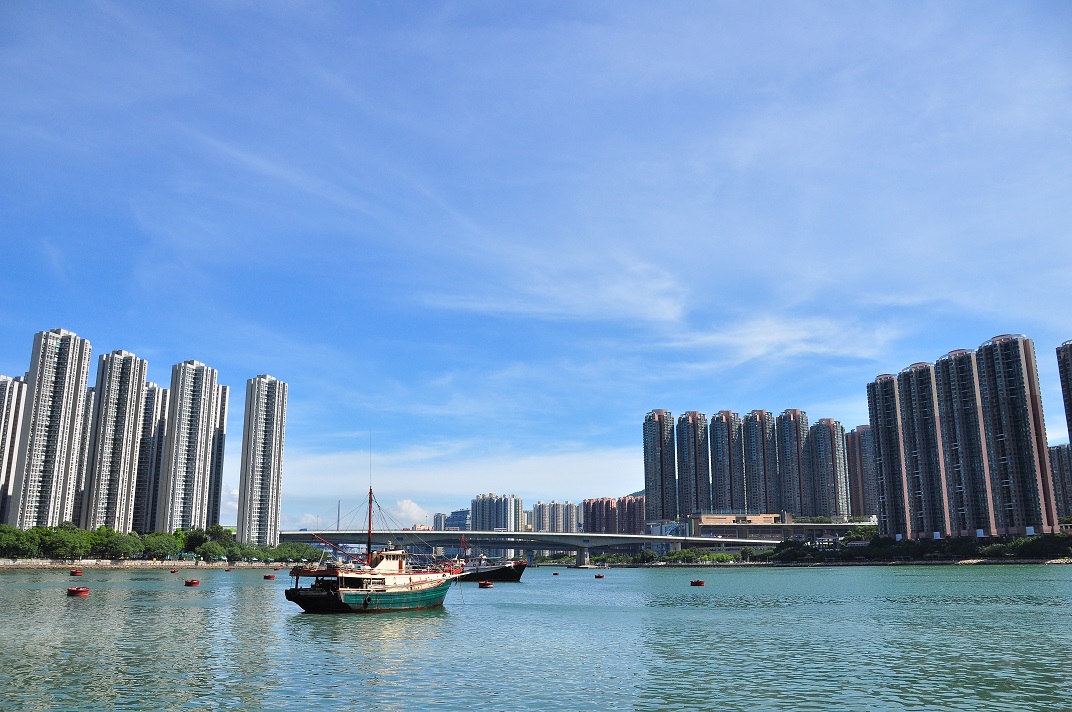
{"points": [[925, 471], [796, 493], [112, 465], [12, 406], [693, 463], [1061, 469], [1064, 367], [1016, 436], [503, 513], [827, 470], [660, 479], [193, 449], [760, 464], [727, 462], [150, 459], [960, 446], [458, 520], [439, 522], [600, 515], [967, 466], [632, 514], [50, 446], [261, 481], [884, 407], [492, 512], [860, 458]]}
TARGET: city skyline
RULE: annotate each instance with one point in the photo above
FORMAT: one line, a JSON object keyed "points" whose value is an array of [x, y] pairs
{"points": [[480, 243]]}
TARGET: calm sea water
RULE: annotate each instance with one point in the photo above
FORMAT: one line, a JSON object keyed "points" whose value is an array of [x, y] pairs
{"points": [[867, 638]]}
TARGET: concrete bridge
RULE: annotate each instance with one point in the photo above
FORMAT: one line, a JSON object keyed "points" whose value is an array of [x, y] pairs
{"points": [[582, 543]]}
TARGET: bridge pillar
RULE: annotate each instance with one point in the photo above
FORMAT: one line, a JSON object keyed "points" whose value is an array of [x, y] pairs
{"points": [[582, 557]]}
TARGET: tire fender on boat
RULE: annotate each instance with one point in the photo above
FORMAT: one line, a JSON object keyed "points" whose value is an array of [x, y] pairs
{"points": [[368, 599]]}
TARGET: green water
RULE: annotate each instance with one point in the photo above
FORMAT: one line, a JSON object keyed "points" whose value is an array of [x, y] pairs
{"points": [[860, 638]]}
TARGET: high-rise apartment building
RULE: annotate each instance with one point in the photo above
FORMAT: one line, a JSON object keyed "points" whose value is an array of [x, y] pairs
{"points": [[924, 468], [89, 416], [884, 408], [969, 488], [492, 512], [601, 515], [660, 481], [762, 494], [150, 459], [860, 457], [632, 513], [112, 465], [193, 449], [12, 405], [797, 495], [1061, 472], [554, 517], [827, 469], [1016, 436], [50, 446], [259, 488], [693, 464], [727, 462], [960, 446], [1064, 367]]}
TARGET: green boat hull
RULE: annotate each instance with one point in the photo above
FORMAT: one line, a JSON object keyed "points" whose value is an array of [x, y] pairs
{"points": [[356, 601]]}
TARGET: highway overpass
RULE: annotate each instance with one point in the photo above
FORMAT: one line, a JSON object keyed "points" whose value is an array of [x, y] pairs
{"points": [[581, 543]]}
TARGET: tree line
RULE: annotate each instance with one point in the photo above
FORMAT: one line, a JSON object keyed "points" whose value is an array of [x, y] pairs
{"points": [[67, 541]]}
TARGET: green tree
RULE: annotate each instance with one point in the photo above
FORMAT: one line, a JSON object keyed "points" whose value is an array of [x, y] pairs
{"points": [[224, 536], [861, 533], [65, 543], [158, 545], [646, 556], [17, 543], [193, 539], [211, 551]]}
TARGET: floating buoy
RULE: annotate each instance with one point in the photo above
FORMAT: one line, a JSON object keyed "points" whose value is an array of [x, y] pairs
{"points": [[275, 568], [484, 584], [76, 572], [226, 569], [174, 571], [696, 582], [269, 577], [192, 582], [599, 575], [555, 574], [78, 591]]}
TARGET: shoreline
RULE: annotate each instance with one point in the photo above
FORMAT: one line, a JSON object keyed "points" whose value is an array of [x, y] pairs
{"points": [[31, 564]]}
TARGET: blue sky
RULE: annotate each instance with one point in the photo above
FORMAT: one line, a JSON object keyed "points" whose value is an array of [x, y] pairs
{"points": [[490, 237]]}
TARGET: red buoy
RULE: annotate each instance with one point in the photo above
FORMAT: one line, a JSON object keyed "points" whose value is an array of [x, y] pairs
{"points": [[78, 591], [696, 582], [269, 577], [76, 572], [192, 582]]}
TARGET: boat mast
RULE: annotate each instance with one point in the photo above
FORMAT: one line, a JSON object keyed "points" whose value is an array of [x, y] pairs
{"points": [[368, 551]]}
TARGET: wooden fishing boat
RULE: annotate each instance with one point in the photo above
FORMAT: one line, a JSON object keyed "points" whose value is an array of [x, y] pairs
{"points": [[384, 583]]}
